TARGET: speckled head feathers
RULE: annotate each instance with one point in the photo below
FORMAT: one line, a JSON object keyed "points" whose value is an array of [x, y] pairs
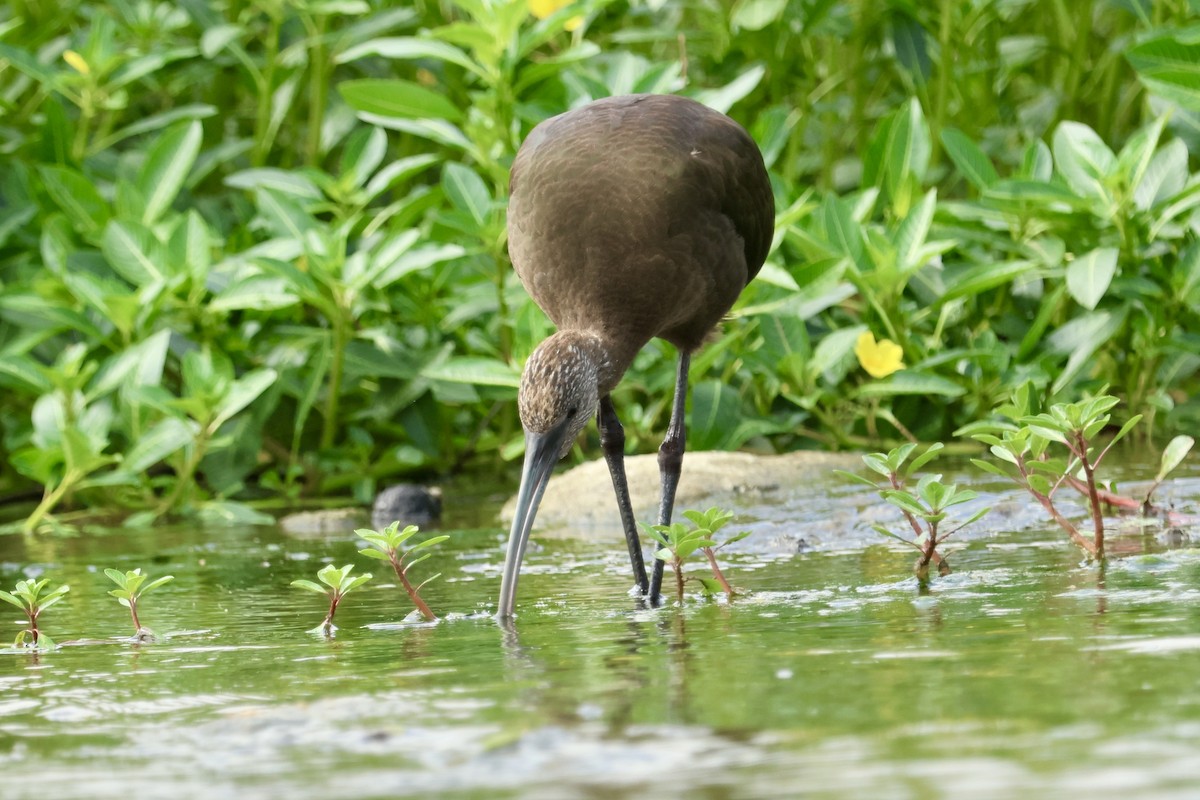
{"points": [[560, 384]]}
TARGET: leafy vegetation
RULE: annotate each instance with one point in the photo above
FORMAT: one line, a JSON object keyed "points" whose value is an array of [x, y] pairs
{"points": [[129, 590], [388, 545], [924, 507], [1024, 441], [253, 252], [679, 543], [338, 583], [32, 597]]}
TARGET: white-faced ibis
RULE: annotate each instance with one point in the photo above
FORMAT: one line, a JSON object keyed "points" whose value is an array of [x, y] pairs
{"points": [[629, 218]]}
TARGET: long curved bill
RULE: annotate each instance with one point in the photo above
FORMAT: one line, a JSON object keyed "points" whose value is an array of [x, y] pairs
{"points": [[541, 453]]}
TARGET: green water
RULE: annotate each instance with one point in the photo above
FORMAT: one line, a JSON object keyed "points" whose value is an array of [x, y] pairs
{"points": [[1024, 674]]}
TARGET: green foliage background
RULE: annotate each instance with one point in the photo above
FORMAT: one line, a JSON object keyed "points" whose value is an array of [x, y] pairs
{"points": [[253, 251]]}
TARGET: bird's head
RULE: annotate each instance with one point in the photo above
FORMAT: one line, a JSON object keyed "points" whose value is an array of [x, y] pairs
{"points": [[559, 394]]}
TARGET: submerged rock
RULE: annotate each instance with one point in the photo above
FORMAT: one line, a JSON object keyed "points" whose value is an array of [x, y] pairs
{"points": [[790, 499], [409, 503], [325, 521]]}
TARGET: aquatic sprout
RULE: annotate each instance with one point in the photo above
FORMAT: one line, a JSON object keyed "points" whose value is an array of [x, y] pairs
{"points": [[129, 590], [1173, 455], [678, 543], [1021, 442], [338, 584], [928, 503], [388, 545], [30, 596], [924, 508]]}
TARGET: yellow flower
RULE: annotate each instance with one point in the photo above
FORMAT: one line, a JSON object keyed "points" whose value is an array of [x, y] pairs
{"points": [[879, 359], [77, 63], [544, 8]]}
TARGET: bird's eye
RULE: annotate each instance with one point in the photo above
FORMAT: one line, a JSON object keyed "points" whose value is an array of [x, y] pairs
{"points": [[572, 411]]}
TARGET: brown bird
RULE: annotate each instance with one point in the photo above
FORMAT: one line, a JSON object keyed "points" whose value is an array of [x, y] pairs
{"points": [[629, 218]]}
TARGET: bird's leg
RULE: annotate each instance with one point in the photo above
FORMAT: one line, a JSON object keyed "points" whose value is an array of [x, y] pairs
{"points": [[670, 461], [612, 441]]}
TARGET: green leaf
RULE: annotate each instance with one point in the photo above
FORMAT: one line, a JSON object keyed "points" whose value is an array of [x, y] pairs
{"points": [[245, 390], [910, 237], [978, 515], [983, 277], [167, 164], [277, 180], [397, 98], [723, 98], [841, 473], [910, 382], [989, 468], [364, 152], [134, 252], [435, 540], [1128, 426], [1039, 483], [754, 15], [1089, 275], [930, 453], [474, 370], [1084, 160], [310, 586], [77, 197], [160, 441], [970, 160], [878, 462], [1173, 455], [467, 192], [903, 500], [885, 532], [371, 552], [5, 596], [1169, 66], [408, 48], [157, 582], [1082, 337]]}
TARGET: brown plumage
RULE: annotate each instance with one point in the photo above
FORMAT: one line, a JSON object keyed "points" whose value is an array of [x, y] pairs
{"points": [[629, 218]]}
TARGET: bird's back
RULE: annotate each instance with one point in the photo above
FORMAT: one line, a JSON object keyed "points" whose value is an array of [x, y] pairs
{"points": [[641, 216]]}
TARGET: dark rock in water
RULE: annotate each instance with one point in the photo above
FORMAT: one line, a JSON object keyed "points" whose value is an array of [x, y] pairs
{"points": [[323, 522], [408, 503]]}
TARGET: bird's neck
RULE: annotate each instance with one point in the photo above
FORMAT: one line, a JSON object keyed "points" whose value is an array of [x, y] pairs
{"points": [[609, 360]]}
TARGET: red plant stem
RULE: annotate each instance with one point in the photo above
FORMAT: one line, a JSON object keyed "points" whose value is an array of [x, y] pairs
{"points": [[930, 549], [334, 599], [1093, 498], [716, 570], [677, 565], [402, 574], [916, 526], [1106, 497], [137, 626], [1048, 504]]}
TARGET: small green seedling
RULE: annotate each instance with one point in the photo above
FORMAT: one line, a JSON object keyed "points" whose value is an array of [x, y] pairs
{"points": [[388, 545], [1173, 455], [1021, 443], [928, 504], [129, 589], [338, 584], [30, 596], [678, 543], [924, 509]]}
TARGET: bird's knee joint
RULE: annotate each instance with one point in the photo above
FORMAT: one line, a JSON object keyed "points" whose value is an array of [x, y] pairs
{"points": [[670, 456], [612, 437]]}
